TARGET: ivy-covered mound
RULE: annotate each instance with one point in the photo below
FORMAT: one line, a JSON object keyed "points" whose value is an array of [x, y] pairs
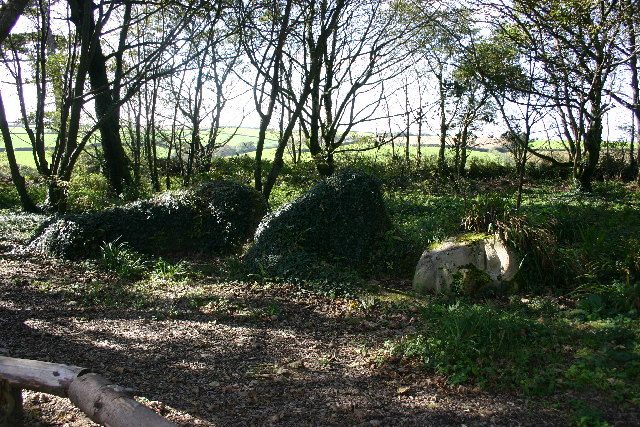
{"points": [[340, 221], [216, 217]]}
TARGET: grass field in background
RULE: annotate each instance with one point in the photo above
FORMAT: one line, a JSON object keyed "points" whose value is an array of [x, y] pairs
{"points": [[243, 140]]}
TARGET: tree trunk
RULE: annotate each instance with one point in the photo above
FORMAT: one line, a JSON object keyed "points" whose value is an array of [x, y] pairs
{"points": [[116, 162], [17, 178], [265, 118], [314, 120], [592, 145], [442, 163], [464, 140], [56, 196], [632, 21], [9, 14], [150, 141], [406, 107], [419, 148]]}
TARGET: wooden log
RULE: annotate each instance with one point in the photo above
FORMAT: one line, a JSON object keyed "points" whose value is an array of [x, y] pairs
{"points": [[102, 401], [107, 404], [51, 378], [10, 405]]}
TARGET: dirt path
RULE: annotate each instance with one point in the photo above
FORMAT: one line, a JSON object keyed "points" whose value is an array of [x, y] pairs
{"points": [[207, 352]]}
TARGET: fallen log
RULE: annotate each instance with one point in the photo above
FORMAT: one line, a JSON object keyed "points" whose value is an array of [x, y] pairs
{"points": [[102, 401]]}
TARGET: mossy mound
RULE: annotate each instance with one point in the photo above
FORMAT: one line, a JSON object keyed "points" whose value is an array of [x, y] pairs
{"points": [[216, 217], [341, 221]]}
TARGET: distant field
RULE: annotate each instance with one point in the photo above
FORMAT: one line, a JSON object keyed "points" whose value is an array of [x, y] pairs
{"points": [[244, 140]]}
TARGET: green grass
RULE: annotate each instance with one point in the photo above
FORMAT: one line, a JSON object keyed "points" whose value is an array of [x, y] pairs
{"points": [[530, 346], [387, 150], [246, 138]]}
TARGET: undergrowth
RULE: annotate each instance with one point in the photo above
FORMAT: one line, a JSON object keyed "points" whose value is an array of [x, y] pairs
{"points": [[534, 348]]}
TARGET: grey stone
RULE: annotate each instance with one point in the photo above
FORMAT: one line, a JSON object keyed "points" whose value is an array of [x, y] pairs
{"points": [[438, 265]]}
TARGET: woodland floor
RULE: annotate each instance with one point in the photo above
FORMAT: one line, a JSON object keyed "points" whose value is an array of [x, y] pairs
{"points": [[205, 351]]}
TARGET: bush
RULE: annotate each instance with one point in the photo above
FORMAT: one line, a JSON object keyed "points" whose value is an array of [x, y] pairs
{"points": [[536, 244], [341, 220], [216, 217], [8, 196], [608, 300], [479, 168], [90, 192]]}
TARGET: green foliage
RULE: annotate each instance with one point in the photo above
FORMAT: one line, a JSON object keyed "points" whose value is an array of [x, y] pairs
{"points": [[492, 346], [16, 228], [120, 259], [608, 300], [418, 220], [479, 168], [597, 236], [167, 271], [236, 208], [486, 214], [236, 168], [536, 243], [215, 217], [90, 192], [339, 221], [8, 196], [527, 347], [585, 415]]}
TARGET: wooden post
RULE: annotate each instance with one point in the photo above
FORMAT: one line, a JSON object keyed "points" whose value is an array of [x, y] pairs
{"points": [[10, 405], [51, 378], [102, 401]]}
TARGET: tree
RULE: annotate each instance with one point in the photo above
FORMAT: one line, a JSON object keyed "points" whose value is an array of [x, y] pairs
{"points": [[9, 14], [365, 50], [509, 76], [63, 62], [200, 90], [264, 29], [475, 105], [574, 42], [105, 94], [629, 47], [444, 29]]}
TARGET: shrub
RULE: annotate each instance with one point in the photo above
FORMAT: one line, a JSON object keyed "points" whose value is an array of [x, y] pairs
{"points": [[536, 244], [528, 346], [479, 168], [90, 192], [341, 220], [8, 196], [608, 300], [216, 217], [237, 208]]}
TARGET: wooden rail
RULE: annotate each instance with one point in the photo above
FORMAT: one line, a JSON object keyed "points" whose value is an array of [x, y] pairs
{"points": [[102, 401]]}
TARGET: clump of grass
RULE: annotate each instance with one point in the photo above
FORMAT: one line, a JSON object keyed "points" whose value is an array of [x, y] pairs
{"points": [[167, 271], [120, 259]]}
